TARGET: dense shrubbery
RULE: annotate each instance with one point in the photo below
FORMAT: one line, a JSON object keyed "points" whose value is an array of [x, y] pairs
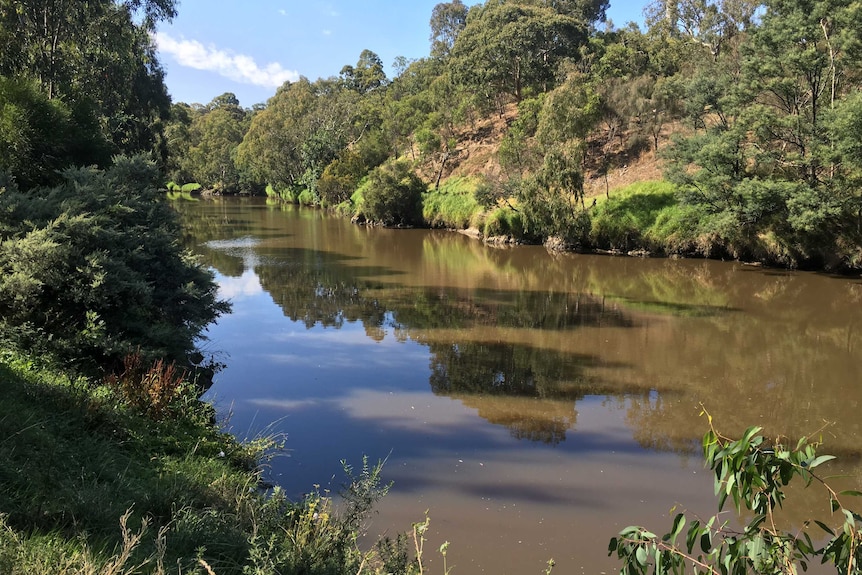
{"points": [[40, 136], [92, 269], [393, 195]]}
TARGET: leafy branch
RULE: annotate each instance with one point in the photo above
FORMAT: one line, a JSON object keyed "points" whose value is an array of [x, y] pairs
{"points": [[752, 472]]}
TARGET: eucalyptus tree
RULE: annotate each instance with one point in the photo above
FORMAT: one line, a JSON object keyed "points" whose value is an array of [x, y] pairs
{"points": [[303, 128], [711, 23], [508, 47], [95, 55], [407, 103], [367, 75], [213, 137], [448, 19]]}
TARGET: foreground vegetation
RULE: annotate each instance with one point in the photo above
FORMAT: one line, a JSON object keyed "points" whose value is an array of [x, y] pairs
{"points": [[109, 463], [753, 473], [133, 475]]}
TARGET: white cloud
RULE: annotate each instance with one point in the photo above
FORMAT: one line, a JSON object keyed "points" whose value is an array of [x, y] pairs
{"points": [[327, 32], [237, 67]]}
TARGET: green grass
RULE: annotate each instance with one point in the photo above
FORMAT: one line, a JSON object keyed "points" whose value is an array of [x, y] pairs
{"points": [[453, 205], [75, 458], [503, 221], [645, 215]]}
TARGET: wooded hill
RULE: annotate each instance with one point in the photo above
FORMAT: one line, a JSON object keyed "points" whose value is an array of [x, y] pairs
{"points": [[522, 112]]}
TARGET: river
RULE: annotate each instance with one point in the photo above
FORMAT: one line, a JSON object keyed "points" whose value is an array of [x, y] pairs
{"points": [[533, 404]]}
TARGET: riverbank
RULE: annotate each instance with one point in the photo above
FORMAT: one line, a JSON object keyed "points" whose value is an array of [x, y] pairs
{"points": [[94, 483], [643, 219]]}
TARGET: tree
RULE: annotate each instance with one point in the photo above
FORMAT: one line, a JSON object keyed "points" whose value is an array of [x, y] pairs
{"points": [[507, 47], [448, 19], [303, 128], [210, 159], [393, 195], [92, 54], [711, 23], [40, 137], [588, 11], [769, 166], [367, 75]]}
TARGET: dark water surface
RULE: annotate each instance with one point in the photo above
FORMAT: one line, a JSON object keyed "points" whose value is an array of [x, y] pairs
{"points": [[533, 404]]}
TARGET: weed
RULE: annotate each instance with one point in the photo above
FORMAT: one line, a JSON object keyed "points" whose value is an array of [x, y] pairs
{"points": [[151, 391]]}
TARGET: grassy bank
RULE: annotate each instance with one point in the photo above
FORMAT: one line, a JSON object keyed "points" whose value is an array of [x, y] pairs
{"points": [[93, 480]]}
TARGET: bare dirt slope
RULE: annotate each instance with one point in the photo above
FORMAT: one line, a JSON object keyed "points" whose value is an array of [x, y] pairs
{"points": [[479, 142]]}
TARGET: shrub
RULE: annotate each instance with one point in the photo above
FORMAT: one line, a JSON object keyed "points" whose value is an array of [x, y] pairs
{"points": [[93, 268], [153, 390], [393, 195], [40, 136]]}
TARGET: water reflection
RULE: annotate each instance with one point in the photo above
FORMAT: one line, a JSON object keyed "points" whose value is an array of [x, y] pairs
{"points": [[521, 323], [592, 369]]}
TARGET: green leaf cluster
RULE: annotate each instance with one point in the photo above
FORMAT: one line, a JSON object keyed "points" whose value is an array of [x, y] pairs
{"points": [[752, 473]]}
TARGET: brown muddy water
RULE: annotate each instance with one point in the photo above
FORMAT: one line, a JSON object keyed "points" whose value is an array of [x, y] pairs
{"points": [[532, 404]]}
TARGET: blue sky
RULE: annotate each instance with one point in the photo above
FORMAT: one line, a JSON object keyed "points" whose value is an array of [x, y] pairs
{"points": [[250, 47]]}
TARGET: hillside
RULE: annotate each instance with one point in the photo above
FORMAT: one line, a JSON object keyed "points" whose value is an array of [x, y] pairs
{"points": [[477, 156]]}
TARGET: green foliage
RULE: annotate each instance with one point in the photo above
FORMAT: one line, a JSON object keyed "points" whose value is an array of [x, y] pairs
{"points": [[306, 198], [452, 206], [773, 168], [209, 156], [626, 220], [39, 137], [506, 48], [518, 153], [503, 222], [552, 199], [753, 473], [96, 56], [367, 75], [92, 269], [393, 195], [447, 21]]}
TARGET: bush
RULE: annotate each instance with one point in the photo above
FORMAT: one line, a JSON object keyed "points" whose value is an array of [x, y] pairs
{"points": [[393, 195], [504, 222], [92, 269]]}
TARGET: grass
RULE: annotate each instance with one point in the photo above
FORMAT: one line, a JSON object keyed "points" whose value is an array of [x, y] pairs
{"points": [[625, 220], [92, 483], [453, 205]]}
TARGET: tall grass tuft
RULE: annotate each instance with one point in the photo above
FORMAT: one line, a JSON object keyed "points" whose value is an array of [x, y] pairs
{"points": [[453, 205]]}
